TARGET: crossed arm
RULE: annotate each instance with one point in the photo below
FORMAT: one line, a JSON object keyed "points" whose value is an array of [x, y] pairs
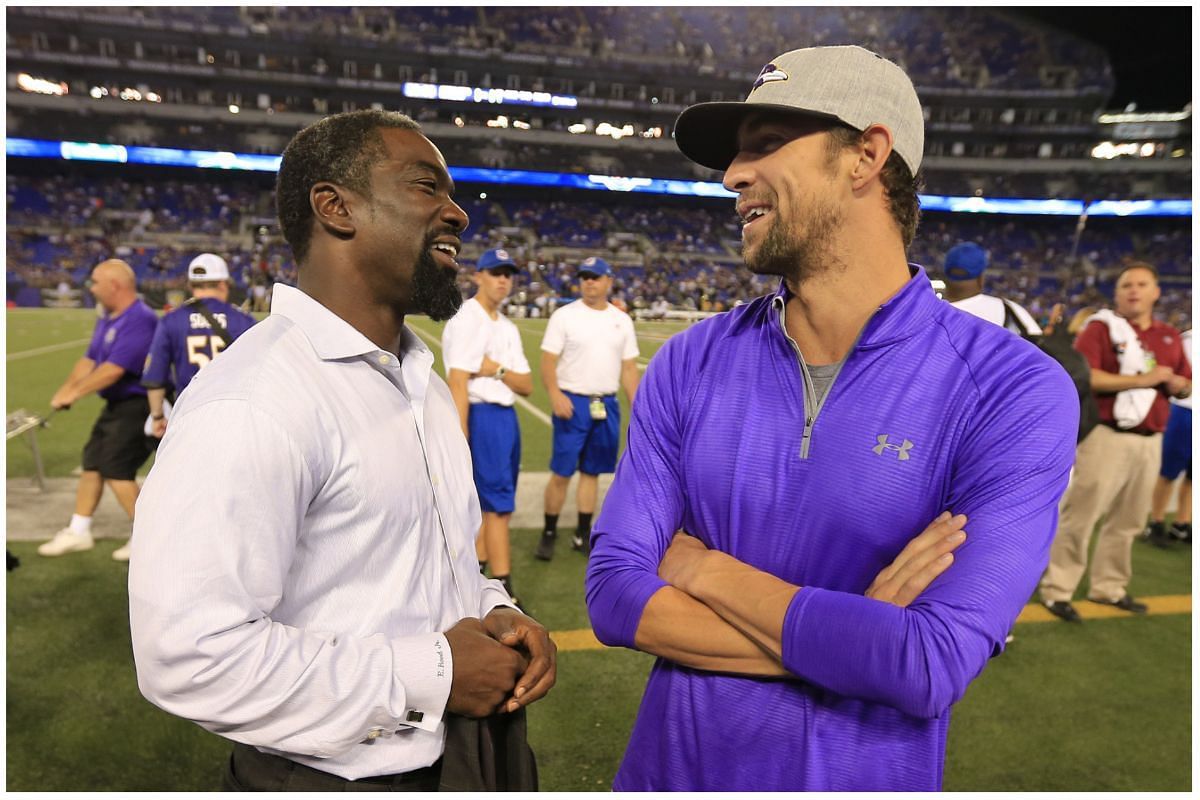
{"points": [[722, 615], [456, 379]]}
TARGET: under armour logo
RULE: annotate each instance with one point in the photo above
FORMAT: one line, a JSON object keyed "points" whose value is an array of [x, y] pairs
{"points": [[884, 444]]}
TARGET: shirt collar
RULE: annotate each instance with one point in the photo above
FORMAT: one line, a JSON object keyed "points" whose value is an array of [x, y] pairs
{"points": [[899, 317], [331, 336]]}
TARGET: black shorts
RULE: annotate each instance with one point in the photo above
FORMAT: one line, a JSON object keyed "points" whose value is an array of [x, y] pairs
{"points": [[118, 445]]}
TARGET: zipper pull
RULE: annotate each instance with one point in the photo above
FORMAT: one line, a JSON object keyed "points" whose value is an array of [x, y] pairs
{"points": [[804, 440]]}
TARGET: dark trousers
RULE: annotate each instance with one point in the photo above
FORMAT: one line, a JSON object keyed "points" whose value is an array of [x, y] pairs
{"points": [[250, 770]]}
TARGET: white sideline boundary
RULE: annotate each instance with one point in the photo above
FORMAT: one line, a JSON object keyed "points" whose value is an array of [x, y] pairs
{"points": [[521, 401], [52, 348]]}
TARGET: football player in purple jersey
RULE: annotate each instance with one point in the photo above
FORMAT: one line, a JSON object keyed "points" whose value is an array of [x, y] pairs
{"points": [[190, 336]]}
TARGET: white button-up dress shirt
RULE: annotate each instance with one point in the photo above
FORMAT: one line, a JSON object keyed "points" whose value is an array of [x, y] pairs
{"points": [[305, 534]]}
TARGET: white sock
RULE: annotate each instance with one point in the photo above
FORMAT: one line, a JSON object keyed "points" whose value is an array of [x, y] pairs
{"points": [[80, 525]]}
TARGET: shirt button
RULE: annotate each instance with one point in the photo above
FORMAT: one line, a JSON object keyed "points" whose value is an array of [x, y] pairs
{"points": [[374, 733], [385, 360], [434, 480]]}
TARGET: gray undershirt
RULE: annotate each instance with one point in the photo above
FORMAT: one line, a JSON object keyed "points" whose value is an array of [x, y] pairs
{"points": [[822, 379]]}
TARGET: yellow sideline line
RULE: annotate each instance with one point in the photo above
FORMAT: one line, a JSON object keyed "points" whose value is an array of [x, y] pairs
{"points": [[584, 639]]}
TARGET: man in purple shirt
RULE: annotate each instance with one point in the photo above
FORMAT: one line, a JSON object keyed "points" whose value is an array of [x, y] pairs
{"points": [[782, 456], [111, 367], [190, 336]]}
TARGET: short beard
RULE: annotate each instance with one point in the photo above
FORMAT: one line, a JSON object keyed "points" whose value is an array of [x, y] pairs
{"points": [[798, 257], [435, 289]]}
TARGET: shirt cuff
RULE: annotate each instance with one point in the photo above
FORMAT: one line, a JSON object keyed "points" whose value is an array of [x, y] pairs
{"points": [[424, 667], [493, 596]]}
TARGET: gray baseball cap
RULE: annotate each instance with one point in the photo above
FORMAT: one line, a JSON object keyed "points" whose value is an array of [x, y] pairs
{"points": [[844, 82]]}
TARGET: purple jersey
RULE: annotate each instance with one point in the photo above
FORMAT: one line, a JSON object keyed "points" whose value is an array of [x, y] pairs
{"points": [[932, 410], [185, 341], [124, 341]]}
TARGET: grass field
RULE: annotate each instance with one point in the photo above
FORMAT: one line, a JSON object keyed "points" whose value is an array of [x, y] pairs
{"points": [[1101, 706]]}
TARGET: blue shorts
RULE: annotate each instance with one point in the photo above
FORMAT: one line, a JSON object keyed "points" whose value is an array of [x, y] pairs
{"points": [[495, 439], [583, 443], [1177, 444]]}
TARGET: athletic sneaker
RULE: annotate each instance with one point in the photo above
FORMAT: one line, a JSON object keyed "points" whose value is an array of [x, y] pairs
{"points": [[581, 544], [67, 541], [122, 552], [1181, 532], [545, 548]]}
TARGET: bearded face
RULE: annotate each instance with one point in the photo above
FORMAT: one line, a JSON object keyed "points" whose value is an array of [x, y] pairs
{"points": [[797, 246], [434, 288]]}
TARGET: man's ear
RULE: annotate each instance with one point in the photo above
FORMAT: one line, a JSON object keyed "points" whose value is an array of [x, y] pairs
{"points": [[874, 149], [331, 207]]}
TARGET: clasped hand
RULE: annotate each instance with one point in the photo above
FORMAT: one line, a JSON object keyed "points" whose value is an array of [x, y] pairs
{"points": [[503, 662]]}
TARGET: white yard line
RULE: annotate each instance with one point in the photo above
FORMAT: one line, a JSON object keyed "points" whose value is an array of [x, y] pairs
{"points": [[53, 348], [521, 401]]}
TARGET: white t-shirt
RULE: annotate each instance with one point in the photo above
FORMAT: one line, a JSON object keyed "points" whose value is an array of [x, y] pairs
{"points": [[469, 336], [590, 346], [985, 306]]}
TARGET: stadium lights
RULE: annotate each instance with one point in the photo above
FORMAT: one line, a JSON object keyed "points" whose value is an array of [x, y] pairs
{"points": [[234, 108], [1176, 116], [162, 156], [475, 94], [606, 129], [1111, 150], [499, 122], [98, 91], [578, 127], [520, 124], [28, 83], [129, 93]]}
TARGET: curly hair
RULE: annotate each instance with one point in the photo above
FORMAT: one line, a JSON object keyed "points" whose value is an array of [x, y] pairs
{"points": [[340, 149], [899, 184]]}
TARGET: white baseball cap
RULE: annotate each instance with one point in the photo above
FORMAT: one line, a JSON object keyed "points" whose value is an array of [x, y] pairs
{"points": [[843, 82], [207, 268]]}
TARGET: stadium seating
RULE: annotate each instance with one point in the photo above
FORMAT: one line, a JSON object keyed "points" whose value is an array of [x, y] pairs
{"points": [[686, 255]]}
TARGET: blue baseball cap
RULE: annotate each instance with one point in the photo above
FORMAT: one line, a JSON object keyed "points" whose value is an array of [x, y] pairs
{"points": [[496, 258], [595, 266], [965, 261]]}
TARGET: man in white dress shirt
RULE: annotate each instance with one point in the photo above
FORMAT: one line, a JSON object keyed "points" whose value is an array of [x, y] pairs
{"points": [[486, 369], [303, 579], [964, 267], [588, 350]]}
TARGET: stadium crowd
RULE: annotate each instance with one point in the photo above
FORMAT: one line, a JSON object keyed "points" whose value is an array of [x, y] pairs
{"points": [[667, 255], [969, 48]]}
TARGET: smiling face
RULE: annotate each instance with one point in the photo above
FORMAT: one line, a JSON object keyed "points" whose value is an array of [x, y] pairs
{"points": [[784, 175], [409, 236]]}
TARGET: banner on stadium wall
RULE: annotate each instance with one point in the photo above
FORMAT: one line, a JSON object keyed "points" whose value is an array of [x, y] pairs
{"points": [[207, 159]]}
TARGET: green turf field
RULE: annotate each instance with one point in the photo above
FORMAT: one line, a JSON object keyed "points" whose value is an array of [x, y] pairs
{"points": [[1101, 706]]}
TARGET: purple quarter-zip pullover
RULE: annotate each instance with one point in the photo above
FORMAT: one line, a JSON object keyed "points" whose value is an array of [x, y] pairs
{"points": [[932, 410]]}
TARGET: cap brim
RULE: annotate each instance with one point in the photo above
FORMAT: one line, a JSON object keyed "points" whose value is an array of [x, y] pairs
{"points": [[707, 132]]}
